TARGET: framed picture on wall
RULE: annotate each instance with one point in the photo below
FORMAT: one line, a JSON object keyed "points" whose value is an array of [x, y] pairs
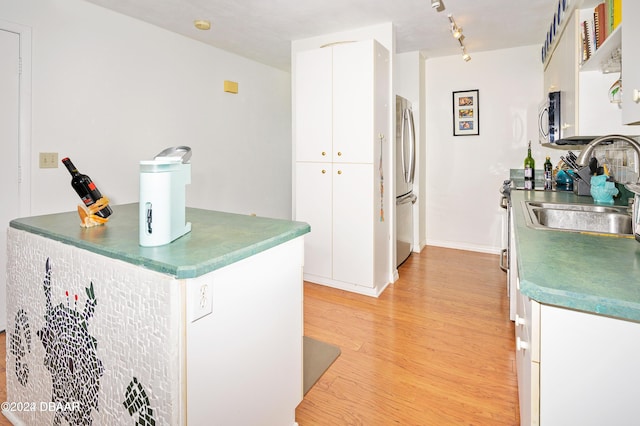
{"points": [[466, 113]]}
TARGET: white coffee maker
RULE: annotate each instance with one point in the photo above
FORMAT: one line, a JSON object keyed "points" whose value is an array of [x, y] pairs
{"points": [[163, 183]]}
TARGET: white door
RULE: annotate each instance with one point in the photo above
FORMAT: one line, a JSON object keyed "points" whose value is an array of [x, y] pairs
{"points": [[353, 212], [313, 105], [353, 90], [9, 172], [313, 205]]}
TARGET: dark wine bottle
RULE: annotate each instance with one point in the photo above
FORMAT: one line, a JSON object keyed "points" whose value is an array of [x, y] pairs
{"points": [[548, 174], [529, 170], [86, 189]]}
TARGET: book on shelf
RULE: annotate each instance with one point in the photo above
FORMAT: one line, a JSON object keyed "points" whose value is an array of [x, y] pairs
{"points": [[600, 24], [610, 7], [587, 38], [608, 17], [617, 12]]}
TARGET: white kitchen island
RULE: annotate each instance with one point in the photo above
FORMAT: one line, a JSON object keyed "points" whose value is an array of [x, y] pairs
{"points": [[205, 330]]}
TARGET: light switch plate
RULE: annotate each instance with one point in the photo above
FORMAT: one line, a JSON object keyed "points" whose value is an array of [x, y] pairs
{"points": [[48, 160]]}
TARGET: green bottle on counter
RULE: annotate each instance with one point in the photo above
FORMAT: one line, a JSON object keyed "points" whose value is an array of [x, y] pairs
{"points": [[529, 170]]}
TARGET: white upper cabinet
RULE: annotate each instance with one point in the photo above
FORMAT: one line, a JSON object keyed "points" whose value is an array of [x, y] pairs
{"points": [[585, 105], [561, 75], [630, 63], [335, 91], [313, 119], [353, 102]]}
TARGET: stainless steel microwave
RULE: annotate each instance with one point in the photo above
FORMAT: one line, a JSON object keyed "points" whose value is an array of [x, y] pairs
{"points": [[549, 128]]}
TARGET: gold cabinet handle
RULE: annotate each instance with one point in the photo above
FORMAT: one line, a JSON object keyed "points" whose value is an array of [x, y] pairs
{"points": [[339, 154], [324, 171], [324, 153], [339, 172]]}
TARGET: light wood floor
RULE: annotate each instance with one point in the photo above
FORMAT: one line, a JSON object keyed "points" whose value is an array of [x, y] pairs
{"points": [[436, 348]]}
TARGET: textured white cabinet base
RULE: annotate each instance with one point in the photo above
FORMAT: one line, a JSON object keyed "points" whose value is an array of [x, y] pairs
{"points": [[126, 350], [136, 314]]}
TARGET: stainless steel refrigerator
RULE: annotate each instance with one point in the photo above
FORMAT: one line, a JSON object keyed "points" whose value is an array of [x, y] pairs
{"points": [[405, 171]]}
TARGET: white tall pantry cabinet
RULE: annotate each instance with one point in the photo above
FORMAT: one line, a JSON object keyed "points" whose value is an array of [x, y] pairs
{"points": [[342, 148]]}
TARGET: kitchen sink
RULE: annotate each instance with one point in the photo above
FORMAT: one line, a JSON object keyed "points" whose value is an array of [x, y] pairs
{"points": [[613, 220]]}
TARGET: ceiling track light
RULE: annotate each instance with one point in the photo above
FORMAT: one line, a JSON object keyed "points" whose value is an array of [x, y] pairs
{"points": [[465, 55], [456, 32], [435, 4]]}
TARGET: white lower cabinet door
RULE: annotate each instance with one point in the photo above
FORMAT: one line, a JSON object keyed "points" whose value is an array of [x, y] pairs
{"points": [[589, 370], [313, 205], [353, 213], [527, 360]]}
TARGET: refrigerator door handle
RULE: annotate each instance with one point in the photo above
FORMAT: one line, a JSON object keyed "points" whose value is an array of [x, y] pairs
{"points": [[412, 147], [408, 170], [402, 145]]}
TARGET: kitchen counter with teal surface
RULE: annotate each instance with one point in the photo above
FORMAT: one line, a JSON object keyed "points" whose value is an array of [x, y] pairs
{"points": [[217, 239], [591, 273]]}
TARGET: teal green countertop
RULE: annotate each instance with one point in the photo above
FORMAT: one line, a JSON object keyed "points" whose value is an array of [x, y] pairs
{"points": [[216, 240], [591, 273]]}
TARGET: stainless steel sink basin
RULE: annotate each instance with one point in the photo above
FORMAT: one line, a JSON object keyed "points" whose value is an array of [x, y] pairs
{"points": [[579, 218]]}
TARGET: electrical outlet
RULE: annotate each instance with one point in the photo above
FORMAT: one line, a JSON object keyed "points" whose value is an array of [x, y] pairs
{"points": [[199, 301], [48, 160]]}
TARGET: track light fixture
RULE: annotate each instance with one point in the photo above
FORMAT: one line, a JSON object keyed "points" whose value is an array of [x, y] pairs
{"points": [[456, 32], [435, 4]]}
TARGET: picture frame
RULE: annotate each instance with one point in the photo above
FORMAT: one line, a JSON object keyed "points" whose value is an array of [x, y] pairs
{"points": [[466, 113]]}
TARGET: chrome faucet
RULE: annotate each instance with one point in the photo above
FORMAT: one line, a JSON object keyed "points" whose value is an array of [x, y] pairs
{"points": [[585, 155]]}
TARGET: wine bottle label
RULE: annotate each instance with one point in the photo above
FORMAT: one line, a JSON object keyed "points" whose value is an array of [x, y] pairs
{"points": [[528, 172], [92, 186], [87, 200]]}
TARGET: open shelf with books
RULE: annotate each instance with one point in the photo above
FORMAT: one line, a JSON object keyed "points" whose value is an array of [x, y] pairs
{"points": [[607, 58], [601, 36]]}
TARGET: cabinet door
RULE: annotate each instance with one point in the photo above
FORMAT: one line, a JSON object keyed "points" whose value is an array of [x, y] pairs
{"points": [[353, 213], [561, 75], [630, 63], [527, 367], [589, 370], [313, 119], [313, 205], [353, 94]]}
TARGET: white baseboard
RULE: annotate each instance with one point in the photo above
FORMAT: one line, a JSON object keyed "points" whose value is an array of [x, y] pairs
{"points": [[464, 246], [353, 288]]}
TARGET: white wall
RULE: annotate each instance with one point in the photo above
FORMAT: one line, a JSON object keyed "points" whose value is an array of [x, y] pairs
{"points": [[464, 173], [109, 90]]}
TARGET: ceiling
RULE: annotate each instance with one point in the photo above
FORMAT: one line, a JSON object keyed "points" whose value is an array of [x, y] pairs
{"points": [[262, 30]]}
